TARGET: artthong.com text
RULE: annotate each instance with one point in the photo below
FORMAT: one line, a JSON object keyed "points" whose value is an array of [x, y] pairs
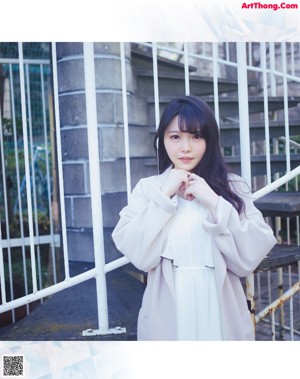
{"points": [[274, 6]]}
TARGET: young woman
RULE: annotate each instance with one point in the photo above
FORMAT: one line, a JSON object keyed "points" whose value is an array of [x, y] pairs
{"points": [[194, 229]]}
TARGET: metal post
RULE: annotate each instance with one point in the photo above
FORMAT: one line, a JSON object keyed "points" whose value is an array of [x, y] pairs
{"points": [[94, 166], [286, 106], [19, 199], [125, 120], [52, 245], [245, 146], [243, 112], [33, 175], [215, 75], [59, 162], [155, 79], [266, 109], [27, 167], [186, 69]]}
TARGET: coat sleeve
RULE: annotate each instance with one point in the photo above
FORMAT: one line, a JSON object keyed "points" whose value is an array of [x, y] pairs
{"points": [[245, 239], [139, 233]]}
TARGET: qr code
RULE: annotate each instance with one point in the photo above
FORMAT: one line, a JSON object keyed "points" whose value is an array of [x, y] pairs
{"points": [[13, 366]]}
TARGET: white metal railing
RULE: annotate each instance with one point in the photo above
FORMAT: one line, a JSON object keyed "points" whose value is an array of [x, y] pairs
{"points": [[286, 278], [34, 189], [18, 139], [240, 65]]}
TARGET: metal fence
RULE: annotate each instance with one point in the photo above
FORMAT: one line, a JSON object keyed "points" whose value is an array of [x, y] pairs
{"points": [[239, 60], [29, 238]]}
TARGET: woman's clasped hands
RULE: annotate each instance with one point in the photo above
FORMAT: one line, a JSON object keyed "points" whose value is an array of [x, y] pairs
{"points": [[189, 186]]}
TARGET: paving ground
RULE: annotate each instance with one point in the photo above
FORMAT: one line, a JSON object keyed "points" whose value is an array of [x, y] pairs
{"points": [[66, 314]]}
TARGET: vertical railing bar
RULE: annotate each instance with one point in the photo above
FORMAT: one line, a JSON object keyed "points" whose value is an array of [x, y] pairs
{"points": [[94, 166], [125, 120], [245, 145], [281, 308], [291, 306], [155, 82], [48, 172], [17, 158], [2, 273], [254, 179], [186, 69], [266, 109], [250, 53], [275, 151], [59, 161], [215, 82], [227, 51], [33, 171], [292, 59], [298, 234], [6, 215], [273, 331], [244, 113], [286, 114], [291, 310], [27, 167], [19, 186], [259, 290], [272, 69]]}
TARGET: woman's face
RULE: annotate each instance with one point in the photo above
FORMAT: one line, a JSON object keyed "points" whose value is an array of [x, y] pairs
{"points": [[184, 149]]}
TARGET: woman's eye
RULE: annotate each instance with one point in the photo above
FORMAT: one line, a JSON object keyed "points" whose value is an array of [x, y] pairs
{"points": [[174, 136], [197, 136]]}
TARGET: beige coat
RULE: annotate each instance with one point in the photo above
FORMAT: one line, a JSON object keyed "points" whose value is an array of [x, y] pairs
{"points": [[240, 243]]}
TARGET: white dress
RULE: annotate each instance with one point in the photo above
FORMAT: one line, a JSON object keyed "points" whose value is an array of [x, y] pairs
{"points": [[197, 305]]}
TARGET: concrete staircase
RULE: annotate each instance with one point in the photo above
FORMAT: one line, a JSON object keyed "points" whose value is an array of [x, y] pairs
{"points": [[171, 84]]}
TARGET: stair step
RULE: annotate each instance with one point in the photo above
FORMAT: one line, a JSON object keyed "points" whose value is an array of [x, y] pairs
{"points": [[228, 106], [280, 256], [142, 59], [277, 203], [258, 163], [229, 132], [174, 84], [259, 166]]}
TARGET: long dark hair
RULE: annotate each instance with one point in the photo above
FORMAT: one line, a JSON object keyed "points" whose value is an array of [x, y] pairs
{"points": [[195, 116]]}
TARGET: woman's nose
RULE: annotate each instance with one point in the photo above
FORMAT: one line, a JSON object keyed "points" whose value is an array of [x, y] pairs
{"points": [[185, 145]]}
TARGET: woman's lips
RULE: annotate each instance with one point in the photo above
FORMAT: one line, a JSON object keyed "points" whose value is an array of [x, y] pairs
{"points": [[186, 159]]}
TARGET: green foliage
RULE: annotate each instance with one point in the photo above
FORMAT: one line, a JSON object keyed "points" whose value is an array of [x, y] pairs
{"points": [[15, 225]]}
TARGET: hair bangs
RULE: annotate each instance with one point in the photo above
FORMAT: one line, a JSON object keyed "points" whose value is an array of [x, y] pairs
{"points": [[189, 121]]}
